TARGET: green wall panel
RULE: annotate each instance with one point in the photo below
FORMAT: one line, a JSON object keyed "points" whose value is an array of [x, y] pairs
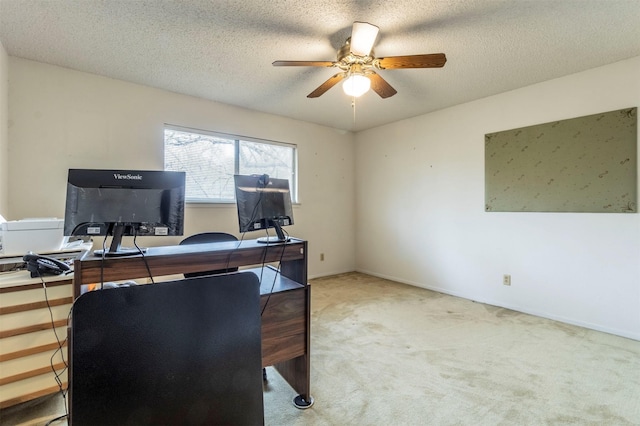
{"points": [[584, 164]]}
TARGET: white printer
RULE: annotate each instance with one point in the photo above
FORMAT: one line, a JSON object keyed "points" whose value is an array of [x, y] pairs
{"points": [[39, 235]]}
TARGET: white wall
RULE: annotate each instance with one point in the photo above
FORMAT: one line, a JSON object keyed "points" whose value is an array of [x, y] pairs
{"points": [[420, 198], [4, 137], [421, 219], [67, 119]]}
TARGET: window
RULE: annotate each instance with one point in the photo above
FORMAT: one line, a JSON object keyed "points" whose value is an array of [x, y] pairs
{"points": [[211, 159]]}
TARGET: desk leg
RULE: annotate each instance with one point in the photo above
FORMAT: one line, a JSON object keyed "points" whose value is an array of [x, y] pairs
{"points": [[296, 373]]}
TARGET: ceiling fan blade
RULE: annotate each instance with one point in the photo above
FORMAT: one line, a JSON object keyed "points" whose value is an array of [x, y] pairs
{"points": [[326, 85], [380, 86], [303, 64], [432, 60], [363, 36]]}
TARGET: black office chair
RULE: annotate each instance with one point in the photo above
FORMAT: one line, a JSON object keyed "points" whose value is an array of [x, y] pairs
{"points": [[209, 237], [213, 237]]}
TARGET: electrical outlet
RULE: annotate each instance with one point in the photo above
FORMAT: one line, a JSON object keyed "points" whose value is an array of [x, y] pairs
{"points": [[506, 279], [321, 257]]}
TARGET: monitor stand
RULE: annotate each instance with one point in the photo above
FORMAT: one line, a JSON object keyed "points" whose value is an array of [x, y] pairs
{"points": [[117, 230], [122, 251], [278, 238]]}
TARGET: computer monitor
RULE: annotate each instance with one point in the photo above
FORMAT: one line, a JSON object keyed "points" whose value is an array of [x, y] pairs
{"points": [[263, 203], [121, 203]]}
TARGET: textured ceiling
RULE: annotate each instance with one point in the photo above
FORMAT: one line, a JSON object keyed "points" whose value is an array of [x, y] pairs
{"points": [[222, 50]]}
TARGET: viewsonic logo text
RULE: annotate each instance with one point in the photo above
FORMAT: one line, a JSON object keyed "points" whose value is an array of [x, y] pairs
{"points": [[129, 176]]}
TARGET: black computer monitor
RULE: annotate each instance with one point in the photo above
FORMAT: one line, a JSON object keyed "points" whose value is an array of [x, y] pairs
{"points": [[121, 203], [263, 203]]}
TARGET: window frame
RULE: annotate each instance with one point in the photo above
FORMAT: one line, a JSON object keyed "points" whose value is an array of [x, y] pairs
{"points": [[236, 139]]}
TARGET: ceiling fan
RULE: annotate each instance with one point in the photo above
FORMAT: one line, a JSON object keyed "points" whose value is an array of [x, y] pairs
{"points": [[358, 64]]}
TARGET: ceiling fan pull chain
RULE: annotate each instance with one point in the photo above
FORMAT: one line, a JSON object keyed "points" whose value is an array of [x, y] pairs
{"points": [[353, 106]]}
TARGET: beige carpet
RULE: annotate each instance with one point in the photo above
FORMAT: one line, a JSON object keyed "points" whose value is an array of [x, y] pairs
{"points": [[386, 353]]}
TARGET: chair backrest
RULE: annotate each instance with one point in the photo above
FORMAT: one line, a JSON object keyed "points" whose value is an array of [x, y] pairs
{"points": [[209, 237]]}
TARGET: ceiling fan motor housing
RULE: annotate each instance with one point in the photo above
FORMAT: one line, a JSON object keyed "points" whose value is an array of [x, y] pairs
{"points": [[347, 60]]}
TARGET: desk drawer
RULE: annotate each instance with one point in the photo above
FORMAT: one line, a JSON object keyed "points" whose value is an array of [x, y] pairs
{"points": [[30, 388], [283, 326], [279, 349]]}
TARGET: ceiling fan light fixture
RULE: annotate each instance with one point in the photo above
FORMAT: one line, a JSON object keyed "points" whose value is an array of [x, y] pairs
{"points": [[356, 85], [363, 36]]}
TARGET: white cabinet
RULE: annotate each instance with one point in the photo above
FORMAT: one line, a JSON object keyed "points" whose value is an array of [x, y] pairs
{"points": [[33, 333]]}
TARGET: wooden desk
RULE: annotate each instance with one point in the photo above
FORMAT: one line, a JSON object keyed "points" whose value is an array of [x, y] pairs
{"points": [[286, 311]]}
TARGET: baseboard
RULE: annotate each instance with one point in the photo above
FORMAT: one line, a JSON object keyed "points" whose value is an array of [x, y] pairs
{"points": [[597, 327], [329, 274]]}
